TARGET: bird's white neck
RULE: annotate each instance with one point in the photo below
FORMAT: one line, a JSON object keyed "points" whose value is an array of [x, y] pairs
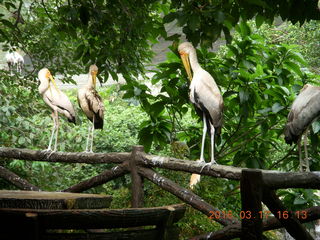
{"points": [[195, 66], [44, 85], [90, 83]]}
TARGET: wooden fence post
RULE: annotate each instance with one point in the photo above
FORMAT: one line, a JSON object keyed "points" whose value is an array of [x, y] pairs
{"points": [[251, 185], [136, 180]]}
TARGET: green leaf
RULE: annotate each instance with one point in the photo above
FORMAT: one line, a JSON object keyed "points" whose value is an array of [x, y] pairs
{"points": [[194, 22], [294, 67], [277, 107], [316, 127], [259, 20], [299, 201], [169, 17], [21, 140]]}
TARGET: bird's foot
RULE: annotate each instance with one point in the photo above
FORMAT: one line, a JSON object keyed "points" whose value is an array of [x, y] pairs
{"points": [[48, 152], [88, 151], [205, 164], [213, 162]]}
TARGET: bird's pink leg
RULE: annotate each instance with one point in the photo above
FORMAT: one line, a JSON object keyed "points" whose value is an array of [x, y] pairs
{"points": [[52, 132], [305, 166], [204, 131], [57, 129], [300, 154], [88, 137], [92, 134], [212, 144]]}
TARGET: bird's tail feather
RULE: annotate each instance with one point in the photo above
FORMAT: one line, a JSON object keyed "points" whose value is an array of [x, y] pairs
{"points": [[72, 119], [194, 179]]}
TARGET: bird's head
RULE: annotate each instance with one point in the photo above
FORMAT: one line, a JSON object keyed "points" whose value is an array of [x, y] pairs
{"points": [[184, 51], [93, 71], [45, 75]]}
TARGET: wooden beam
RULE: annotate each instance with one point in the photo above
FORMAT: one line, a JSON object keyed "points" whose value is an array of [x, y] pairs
{"points": [[219, 171], [308, 180], [52, 200], [102, 178], [137, 194], [185, 195], [251, 196], [273, 179], [93, 218], [17, 181], [67, 157], [287, 218]]}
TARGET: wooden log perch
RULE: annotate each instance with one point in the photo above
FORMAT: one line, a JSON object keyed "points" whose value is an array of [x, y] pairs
{"points": [[68, 157], [219, 171], [277, 180], [102, 178], [52, 200], [272, 179], [185, 195], [234, 230], [16, 180]]}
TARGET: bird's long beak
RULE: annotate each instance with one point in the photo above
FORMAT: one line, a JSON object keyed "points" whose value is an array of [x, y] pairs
{"points": [[186, 64], [94, 78], [53, 81]]}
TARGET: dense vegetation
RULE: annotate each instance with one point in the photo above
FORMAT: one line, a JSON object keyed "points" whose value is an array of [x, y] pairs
{"points": [[260, 70]]}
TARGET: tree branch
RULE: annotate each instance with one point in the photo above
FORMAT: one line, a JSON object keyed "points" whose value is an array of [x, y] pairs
{"points": [[16, 180]]}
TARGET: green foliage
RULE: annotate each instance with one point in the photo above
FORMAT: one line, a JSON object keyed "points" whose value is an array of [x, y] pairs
{"points": [[205, 21], [259, 78], [306, 38]]}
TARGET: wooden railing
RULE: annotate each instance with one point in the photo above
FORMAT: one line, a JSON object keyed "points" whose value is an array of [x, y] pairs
{"points": [[257, 186]]}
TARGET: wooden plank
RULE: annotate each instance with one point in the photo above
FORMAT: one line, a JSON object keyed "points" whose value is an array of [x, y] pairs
{"points": [[94, 218], [52, 200], [141, 234], [184, 194], [251, 196], [102, 178], [137, 194], [287, 219]]}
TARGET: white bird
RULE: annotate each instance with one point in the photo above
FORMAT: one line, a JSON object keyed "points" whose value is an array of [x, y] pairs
{"points": [[206, 97], [19, 61], [304, 110], [14, 59], [57, 101], [91, 104]]}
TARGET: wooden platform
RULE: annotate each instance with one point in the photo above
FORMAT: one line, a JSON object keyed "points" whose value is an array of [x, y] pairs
{"points": [[52, 200], [37, 215]]}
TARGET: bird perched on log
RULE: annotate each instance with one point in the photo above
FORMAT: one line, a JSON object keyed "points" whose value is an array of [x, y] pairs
{"points": [[206, 97], [304, 110], [91, 104], [57, 101]]}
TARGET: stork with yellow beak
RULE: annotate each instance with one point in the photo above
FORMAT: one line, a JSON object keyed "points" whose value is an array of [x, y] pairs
{"points": [[91, 104], [57, 101], [206, 97]]}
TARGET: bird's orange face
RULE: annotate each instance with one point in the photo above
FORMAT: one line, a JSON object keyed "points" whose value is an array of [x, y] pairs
{"points": [[94, 77], [185, 60], [94, 72]]}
